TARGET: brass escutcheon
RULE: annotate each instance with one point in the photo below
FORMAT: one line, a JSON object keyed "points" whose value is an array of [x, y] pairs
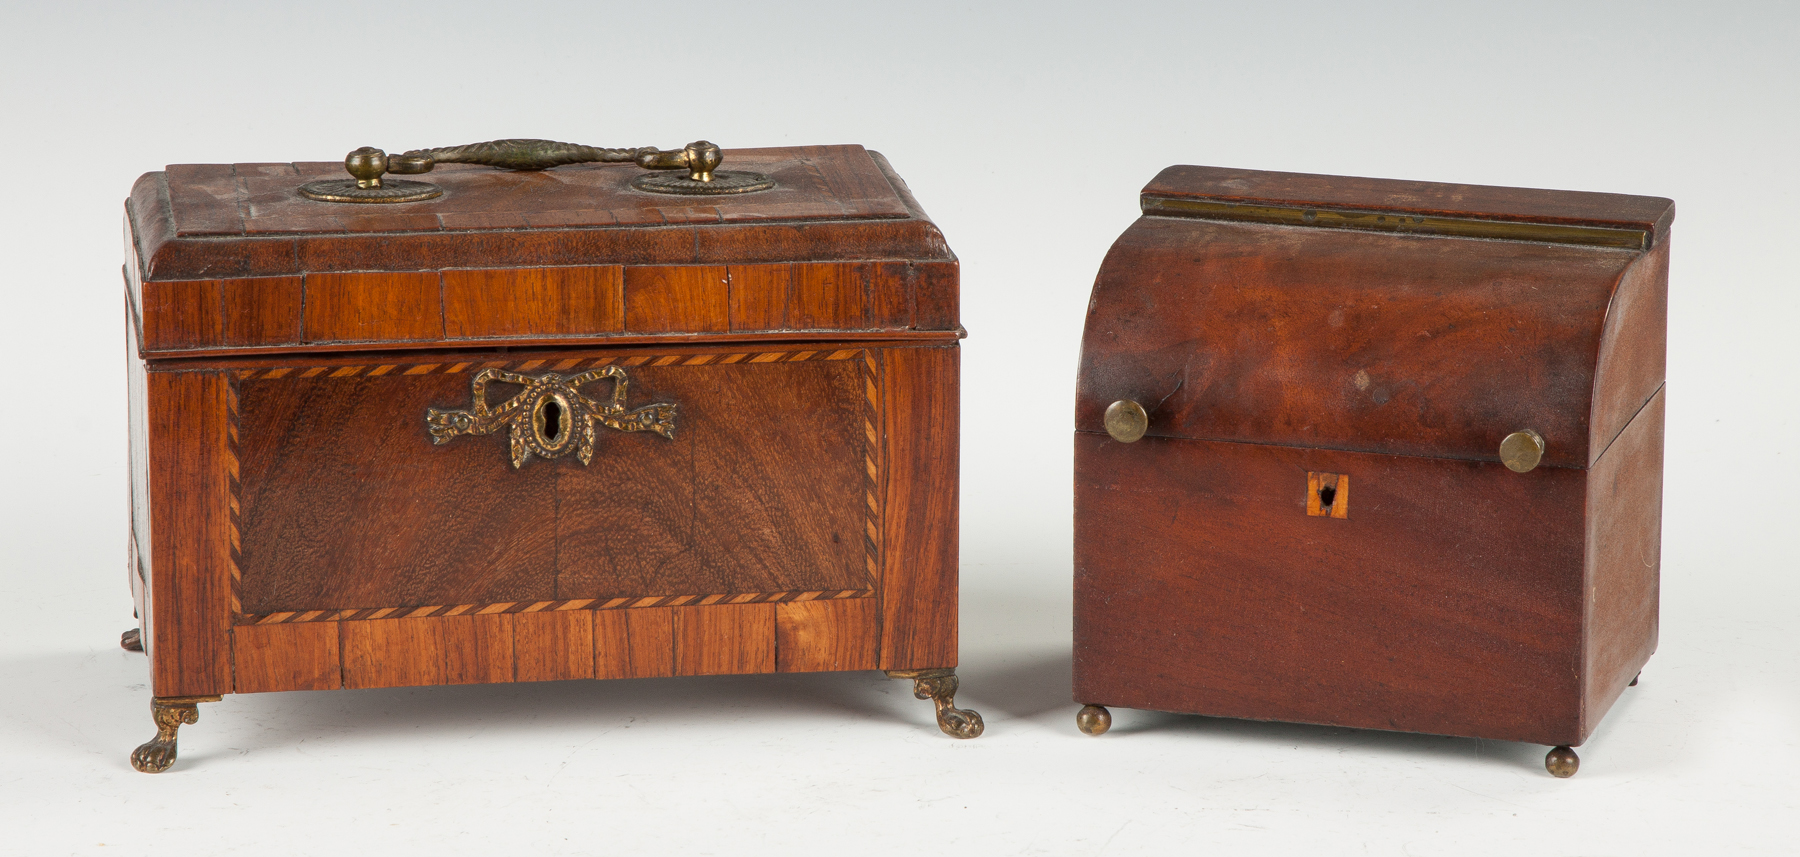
{"points": [[551, 417]]}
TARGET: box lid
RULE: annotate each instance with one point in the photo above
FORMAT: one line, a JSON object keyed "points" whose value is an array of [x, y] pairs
{"points": [[1380, 316], [246, 226]]}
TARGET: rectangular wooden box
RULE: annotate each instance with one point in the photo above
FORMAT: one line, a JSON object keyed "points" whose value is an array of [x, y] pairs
{"points": [[309, 513], [1317, 524]]}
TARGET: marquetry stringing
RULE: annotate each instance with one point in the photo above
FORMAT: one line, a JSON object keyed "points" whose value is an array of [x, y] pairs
{"points": [[874, 473]]}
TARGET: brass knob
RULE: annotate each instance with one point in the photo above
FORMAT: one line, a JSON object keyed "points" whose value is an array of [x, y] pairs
{"points": [[699, 158], [1126, 420], [1522, 450], [366, 165]]}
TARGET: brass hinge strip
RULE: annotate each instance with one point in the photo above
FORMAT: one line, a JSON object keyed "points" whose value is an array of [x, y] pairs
{"points": [[1398, 221]]}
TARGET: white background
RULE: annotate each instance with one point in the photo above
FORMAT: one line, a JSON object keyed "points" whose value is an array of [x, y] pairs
{"points": [[1026, 131]]}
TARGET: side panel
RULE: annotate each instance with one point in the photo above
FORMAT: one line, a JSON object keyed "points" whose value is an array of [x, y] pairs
{"points": [[1624, 561], [1447, 599], [1634, 349], [189, 471], [138, 421], [921, 418]]}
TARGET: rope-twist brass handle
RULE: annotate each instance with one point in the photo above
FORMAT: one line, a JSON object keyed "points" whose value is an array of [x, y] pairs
{"points": [[368, 165]]}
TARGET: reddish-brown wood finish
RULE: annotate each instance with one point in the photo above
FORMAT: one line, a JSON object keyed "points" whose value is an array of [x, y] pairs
{"points": [[725, 639], [552, 646], [1449, 594], [286, 657], [1624, 562], [921, 417], [533, 302], [1481, 202], [366, 307], [650, 635], [1404, 344], [189, 498], [839, 246], [480, 648], [298, 529], [1446, 601], [813, 636]]}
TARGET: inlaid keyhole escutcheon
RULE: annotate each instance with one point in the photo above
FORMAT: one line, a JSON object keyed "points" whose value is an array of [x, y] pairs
{"points": [[1327, 495]]}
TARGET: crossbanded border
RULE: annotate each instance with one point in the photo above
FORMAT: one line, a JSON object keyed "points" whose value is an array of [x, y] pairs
{"points": [[873, 493]]}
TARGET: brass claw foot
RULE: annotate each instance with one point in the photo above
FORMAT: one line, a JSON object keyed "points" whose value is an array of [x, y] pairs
{"points": [[1562, 762], [939, 686], [132, 641], [1094, 719], [157, 754]]}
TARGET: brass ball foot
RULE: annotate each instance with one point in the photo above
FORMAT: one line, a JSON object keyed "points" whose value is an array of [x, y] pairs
{"points": [[132, 641], [1562, 762], [1094, 719]]}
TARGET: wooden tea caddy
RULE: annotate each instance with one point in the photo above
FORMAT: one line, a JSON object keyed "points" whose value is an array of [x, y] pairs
{"points": [[1483, 366], [530, 424]]}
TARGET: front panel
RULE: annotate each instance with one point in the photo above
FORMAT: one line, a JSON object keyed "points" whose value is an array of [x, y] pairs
{"points": [[1352, 589]]}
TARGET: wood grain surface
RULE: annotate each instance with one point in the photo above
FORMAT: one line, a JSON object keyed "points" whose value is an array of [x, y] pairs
{"points": [[553, 646], [366, 307], [188, 472], [1449, 601], [533, 302], [1624, 561], [1277, 359], [286, 657], [919, 572], [815, 636], [346, 505], [1633, 349], [725, 639], [1649, 213], [228, 259], [637, 304], [298, 530], [1349, 340], [526, 639], [833, 203]]}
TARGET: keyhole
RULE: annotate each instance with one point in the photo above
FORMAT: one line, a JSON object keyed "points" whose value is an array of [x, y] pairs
{"points": [[1328, 495], [553, 422]]}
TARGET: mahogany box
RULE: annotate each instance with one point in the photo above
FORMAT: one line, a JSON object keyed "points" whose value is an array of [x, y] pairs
{"points": [[1369, 453], [544, 425]]}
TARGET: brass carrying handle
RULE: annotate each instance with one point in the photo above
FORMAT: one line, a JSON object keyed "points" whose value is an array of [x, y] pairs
{"points": [[368, 165]]}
